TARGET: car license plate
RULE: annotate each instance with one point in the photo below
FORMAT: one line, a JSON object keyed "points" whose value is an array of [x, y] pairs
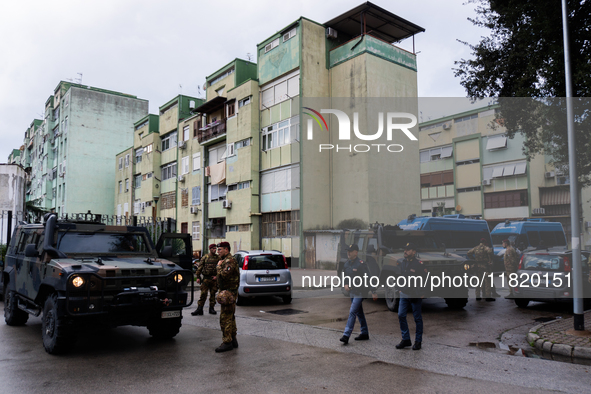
{"points": [[267, 279], [169, 314]]}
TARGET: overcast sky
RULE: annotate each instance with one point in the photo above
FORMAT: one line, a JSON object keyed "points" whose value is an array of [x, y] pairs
{"points": [[158, 49]]}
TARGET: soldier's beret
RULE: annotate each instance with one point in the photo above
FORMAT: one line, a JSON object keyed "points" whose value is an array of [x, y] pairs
{"points": [[352, 248], [410, 246], [483, 240], [224, 245], [212, 246], [506, 241]]}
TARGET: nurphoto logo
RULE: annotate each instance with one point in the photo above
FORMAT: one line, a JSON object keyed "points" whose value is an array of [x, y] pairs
{"points": [[344, 124]]}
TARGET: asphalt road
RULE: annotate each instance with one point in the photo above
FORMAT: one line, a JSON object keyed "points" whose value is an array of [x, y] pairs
{"points": [[297, 353]]}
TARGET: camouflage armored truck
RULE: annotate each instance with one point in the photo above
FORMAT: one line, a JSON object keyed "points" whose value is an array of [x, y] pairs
{"points": [[383, 246], [81, 274]]}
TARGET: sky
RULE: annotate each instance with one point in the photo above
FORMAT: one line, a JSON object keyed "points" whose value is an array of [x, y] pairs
{"points": [[156, 50]]}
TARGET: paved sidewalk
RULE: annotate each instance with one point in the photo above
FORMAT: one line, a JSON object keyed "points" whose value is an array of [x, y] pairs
{"points": [[559, 337]]}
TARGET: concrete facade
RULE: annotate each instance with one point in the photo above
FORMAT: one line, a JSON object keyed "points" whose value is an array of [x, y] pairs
{"points": [[12, 197]]}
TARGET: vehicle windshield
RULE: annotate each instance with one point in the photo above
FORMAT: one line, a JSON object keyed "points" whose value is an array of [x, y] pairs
{"points": [[101, 243], [542, 262], [498, 238], [266, 262], [394, 241]]}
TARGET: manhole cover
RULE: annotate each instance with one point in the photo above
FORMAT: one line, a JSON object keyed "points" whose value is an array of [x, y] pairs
{"points": [[544, 319], [286, 312]]}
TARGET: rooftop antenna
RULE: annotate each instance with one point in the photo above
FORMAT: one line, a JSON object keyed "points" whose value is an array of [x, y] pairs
{"points": [[249, 56], [180, 89], [79, 79]]}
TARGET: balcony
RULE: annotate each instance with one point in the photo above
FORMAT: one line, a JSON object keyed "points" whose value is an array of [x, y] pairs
{"points": [[211, 131]]}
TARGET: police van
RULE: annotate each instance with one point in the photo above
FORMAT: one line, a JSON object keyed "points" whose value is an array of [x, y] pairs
{"points": [[529, 234], [457, 232]]}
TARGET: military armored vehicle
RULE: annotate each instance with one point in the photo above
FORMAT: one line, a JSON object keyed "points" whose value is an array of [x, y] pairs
{"points": [[382, 246], [80, 274]]}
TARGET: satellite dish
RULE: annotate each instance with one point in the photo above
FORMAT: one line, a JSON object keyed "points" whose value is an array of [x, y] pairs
{"points": [[458, 208]]}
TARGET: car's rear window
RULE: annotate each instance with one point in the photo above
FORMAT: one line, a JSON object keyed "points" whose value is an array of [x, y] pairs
{"points": [[542, 262], [266, 262]]}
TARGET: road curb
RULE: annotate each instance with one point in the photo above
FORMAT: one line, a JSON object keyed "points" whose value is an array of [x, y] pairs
{"points": [[547, 346]]}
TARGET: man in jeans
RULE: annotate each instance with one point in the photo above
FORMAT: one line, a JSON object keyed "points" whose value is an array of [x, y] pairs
{"points": [[356, 268], [411, 295]]}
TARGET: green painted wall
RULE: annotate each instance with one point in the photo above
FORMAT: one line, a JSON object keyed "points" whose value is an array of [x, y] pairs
{"points": [[279, 60], [377, 48]]}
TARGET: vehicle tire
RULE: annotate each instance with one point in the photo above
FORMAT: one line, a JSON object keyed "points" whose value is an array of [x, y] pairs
{"points": [[57, 338], [521, 303], [392, 300], [456, 303], [286, 299], [165, 328], [12, 315]]}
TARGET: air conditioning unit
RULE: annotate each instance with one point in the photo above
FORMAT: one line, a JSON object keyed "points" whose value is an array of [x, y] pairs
{"points": [[549, 174], [331, 33], [181, 178], [226, 204], [587, 225], [183, 145], [447, 126], [194, 210], [539, 211], [486, 182]]}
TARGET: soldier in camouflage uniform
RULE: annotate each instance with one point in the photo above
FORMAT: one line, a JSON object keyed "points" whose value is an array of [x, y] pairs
{"points": [[228, 279], [482, 255], [511, 259], [207, 267]]}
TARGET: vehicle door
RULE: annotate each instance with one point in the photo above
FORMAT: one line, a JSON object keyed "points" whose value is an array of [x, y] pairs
{"points": [[177, 248], [34, 266], [21, 272]]}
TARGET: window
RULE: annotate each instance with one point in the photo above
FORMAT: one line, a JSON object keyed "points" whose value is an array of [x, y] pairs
{"points": [[196, 195], [232, 228], [168, 171], [196, 230], [185, 165], [243, 143], [230, 150], [244, 101], [120, 163], [148, 148], [505, 199], [147, 176], [120, 187], [220, 91], [169, 141], [279, 134], [280, 180], [126, 185], [217, 192], [138, 155], [496, 142], [469, 189], [217, 154], [140, 135], [196, 161], [230, 109], [220, 77], [127, 160], [289, 34], [185, 228], [280, 90], [66, 125], [137, 181], [457, 120], [436, 154], [280, 224], [218, 228], [272, 45], [504, 170], [466, 162], [186, 133]]}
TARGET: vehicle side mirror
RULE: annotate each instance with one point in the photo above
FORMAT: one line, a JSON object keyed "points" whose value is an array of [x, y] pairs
{"points": [[31, 251]]}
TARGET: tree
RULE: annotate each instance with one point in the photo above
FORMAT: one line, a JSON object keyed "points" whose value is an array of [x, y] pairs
{"points": [[524, 57]]}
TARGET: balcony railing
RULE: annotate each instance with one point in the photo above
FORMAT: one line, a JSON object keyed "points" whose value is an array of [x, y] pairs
{"points": [[212, 130]]}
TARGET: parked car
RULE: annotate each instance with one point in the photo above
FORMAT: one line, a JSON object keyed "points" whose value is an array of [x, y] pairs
{"points": [[263, 273], [546, 275]]}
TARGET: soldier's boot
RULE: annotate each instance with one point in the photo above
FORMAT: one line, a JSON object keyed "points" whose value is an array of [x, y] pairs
{"points": [[234, 342], [224, 347], [198, 311], [212, 311], [404, 343]]}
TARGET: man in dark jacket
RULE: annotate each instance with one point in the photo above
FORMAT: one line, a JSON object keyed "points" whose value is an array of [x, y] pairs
{"points": [[409, 282], [357, 276]]}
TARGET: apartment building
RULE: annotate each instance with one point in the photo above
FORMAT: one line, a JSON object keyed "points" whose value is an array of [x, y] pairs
{"points": [[470, 167], [68, 155]]}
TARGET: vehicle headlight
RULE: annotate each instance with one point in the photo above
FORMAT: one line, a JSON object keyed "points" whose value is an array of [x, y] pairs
{"points": [[78, 281], [466, 267], [178, 278]]}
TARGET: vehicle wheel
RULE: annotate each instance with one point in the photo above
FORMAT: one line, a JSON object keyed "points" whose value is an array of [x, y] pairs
{"points": [[165, 328], [56, 337], [286, 299], [521, 303], [12, 315], [456, 303], [392, 299]]}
